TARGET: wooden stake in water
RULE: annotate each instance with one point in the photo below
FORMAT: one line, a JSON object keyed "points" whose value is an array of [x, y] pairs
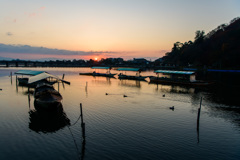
{"points": [[81, 113], [82, 123], [199, 111], [11, 77], [86, 87]]}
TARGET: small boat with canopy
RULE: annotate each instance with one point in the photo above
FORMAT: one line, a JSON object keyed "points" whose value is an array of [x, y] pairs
{"points": [[31, 78], [138, 75], [95, 73], [187, 78]]}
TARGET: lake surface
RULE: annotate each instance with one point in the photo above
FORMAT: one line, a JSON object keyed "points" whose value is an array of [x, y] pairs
{"points": [[139, 126]]}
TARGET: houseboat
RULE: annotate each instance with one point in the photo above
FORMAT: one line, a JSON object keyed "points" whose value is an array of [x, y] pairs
{"points": [[131, 77], [186, 78], [32, 78], [94, 73]]}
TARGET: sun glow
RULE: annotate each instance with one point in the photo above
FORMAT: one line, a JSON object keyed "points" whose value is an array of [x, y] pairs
{"points": [[95, 58]]}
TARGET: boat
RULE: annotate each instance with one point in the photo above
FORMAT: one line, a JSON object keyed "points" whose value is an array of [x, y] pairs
{"points": [[23, 81], [131, 77], [36, 77], [46, 98], [94, 73], [186, 78]]}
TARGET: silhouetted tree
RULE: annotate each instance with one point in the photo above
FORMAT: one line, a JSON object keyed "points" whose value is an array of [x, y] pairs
{"points": [[199, 36]]}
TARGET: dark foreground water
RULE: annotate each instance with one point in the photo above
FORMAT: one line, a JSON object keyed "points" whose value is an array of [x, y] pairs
{"points": [[139, 126]]}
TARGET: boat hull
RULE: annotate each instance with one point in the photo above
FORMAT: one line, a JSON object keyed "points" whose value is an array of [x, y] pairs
{"points": [[47, 98], [140, 78], [98, 74]]}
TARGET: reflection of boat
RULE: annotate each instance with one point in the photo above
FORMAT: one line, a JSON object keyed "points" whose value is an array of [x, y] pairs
{"points": [[186, 78], [48, 121], [94, 73], [46, 97], [131, 77], [130, 83]]}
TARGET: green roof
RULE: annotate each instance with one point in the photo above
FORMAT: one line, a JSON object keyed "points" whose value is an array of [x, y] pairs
{"points": [[101, 67], [128, 69], [29, 72], [174, 72]]}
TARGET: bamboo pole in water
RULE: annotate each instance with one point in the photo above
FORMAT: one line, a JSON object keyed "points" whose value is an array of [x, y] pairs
{"points": [[199, 111], [82, 123], [11, 77]]}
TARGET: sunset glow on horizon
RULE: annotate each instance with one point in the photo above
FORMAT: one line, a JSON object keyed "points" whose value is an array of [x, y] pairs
{"points": [[125, 28]]}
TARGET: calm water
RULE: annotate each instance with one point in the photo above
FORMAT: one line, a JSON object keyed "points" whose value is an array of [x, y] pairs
{"points": [[139, 126]]}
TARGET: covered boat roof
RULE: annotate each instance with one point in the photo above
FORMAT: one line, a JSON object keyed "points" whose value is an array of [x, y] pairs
{"points": [[128, 69], [101, 67], [29, 72], [174, 72], [41, 77], [44, 76]]}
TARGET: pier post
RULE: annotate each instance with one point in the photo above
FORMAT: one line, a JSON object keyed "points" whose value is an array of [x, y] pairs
{"points": [[86, 86], [11, 77], [81, 113], [82, 123], [199, 111]]}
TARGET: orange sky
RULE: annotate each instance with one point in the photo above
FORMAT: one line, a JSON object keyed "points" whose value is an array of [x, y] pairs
{"points": [[135, 28]]}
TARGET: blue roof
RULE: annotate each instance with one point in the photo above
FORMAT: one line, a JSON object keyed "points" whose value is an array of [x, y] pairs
{"points": [[174, 72], [128, 69], [29, 72], [101, 67]]}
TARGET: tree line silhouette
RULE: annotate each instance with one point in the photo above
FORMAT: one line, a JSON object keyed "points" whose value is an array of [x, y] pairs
{"points": [[218, 49]]}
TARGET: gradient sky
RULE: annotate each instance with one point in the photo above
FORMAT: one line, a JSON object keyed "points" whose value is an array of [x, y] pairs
{"points": [[112, 28]]}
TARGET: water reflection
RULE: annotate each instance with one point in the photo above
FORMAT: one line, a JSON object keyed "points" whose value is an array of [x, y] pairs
{"points": [[174, 89], [103, 81], [130, 83], [48, 122], [224, 95]]}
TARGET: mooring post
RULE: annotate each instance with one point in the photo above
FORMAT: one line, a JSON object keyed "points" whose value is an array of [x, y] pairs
{"points": [[82, 123], [11, 77], [198, 118], [86, 87], [81, 113], [29, 99], [83, 131]]}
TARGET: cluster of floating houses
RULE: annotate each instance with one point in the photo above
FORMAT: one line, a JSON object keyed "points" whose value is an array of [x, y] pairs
{"points": [[187, 78], [46, 97]]}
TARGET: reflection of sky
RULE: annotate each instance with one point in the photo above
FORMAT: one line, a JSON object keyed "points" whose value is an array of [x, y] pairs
{"points": [[138, 126]]}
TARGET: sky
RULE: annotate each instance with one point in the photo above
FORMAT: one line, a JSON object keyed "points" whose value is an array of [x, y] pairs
{"points": [[84, 29]]}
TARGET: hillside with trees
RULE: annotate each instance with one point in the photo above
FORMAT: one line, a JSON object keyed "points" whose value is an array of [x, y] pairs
{"points": [[218, 49]]}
